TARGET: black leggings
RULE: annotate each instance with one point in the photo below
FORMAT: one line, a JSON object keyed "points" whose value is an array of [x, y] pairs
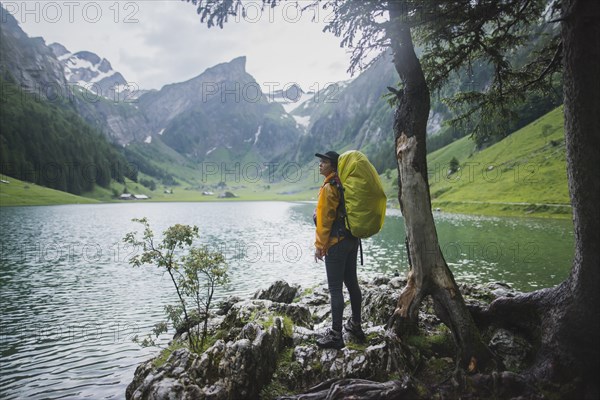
{"points": [[340, 263]]}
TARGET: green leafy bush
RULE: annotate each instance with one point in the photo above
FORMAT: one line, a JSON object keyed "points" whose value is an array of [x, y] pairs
{"points": [[195, 275]]}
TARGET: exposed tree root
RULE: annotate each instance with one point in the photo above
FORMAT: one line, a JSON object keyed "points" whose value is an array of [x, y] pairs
{"points": [[555, 325], [360, 390], [553, 371]]}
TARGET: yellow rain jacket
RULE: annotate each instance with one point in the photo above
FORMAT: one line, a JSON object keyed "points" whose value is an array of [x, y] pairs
{"points": [[326, 213]]}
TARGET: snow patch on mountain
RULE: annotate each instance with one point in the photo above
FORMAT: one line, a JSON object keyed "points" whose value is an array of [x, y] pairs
{"points": [[257, 134], [290, 98], [211, 150], [302, 121], [90, 71]]}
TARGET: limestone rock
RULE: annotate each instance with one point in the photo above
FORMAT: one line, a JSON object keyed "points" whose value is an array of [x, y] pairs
{"points": [[267, 343], [233, 370], [279, 292], [379, 304]]}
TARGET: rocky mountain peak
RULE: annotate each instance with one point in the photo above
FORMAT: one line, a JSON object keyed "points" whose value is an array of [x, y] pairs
{"points": [[101, 64], [59, 50], [28, 60], [93, 58], [89, 70], [237, 65], [10, 26], [231, 70]]}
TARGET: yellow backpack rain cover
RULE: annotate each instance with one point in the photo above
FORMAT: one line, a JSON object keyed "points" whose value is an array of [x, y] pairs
{"points": [[363, 194]]}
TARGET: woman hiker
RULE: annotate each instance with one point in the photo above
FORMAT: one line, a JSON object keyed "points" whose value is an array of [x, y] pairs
{"points": [[339, 248]]}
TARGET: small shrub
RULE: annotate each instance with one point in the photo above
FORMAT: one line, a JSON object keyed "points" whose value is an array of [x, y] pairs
{"points": [[195, 275]]}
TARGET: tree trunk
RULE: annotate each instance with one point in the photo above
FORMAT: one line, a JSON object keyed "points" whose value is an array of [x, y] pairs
{"points": [[429, 274], [569, 346], [564, 319], [578, 329]]}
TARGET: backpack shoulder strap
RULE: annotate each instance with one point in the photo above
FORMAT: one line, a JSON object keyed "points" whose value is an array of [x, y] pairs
{"points": [[335, 181], [341, 224]]}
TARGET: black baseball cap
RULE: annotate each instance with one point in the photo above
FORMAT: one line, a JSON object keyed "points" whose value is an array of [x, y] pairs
{"points": [[330, 155]]}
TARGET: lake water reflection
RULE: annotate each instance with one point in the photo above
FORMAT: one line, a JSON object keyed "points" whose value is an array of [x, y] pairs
{"points": [[71, 303]]}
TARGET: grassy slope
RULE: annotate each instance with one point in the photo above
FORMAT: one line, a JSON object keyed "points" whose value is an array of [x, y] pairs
{"points": [[19, 193], [524, 174]]}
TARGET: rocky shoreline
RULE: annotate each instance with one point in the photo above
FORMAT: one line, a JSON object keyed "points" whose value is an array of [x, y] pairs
{"points": [[265, 347]]}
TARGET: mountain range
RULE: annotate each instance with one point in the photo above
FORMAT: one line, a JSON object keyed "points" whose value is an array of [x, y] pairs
{"points": [[220, 115]]}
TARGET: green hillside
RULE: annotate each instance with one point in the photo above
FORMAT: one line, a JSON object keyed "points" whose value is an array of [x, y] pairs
{"points": [[14, 192], [47, 143], [524, 174]]}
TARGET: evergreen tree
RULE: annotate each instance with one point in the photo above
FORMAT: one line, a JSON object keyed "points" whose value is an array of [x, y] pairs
{"points": [[454, 165], [51, 146]]}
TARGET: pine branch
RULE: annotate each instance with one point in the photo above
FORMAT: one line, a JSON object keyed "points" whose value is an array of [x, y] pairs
{"points": [[548, 68]]}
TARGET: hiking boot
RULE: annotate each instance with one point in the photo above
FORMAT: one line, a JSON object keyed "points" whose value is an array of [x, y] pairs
{"points": [[355, 329], [331, 340]]}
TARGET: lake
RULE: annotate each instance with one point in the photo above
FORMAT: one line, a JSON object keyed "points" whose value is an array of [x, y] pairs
{"points": [[71, 303]]}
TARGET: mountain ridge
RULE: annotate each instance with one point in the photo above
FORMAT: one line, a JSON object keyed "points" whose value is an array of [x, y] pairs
{"points": [[87, 69], [221, 108]]}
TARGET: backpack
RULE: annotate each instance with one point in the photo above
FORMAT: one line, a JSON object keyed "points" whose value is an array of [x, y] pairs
{"points": [[362, 195]]}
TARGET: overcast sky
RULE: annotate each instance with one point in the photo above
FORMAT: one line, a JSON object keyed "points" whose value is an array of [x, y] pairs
{"points": [[153, 43]]}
